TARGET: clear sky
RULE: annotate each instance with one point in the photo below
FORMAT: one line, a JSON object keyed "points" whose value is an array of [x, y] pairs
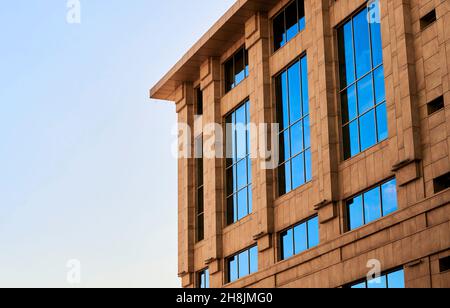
{"points": [[86, 170]]}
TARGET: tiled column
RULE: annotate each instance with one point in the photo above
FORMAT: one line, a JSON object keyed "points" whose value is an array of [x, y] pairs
{"points": [[324, 115], [213, 168], [401, 88], [184, 98], [257, 44]]}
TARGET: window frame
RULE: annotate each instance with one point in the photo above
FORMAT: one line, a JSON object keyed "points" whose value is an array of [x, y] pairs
{"points": [[198, 161], [343, 89], [283, 11], [282, 130], [280, 238], [361, 194], [199, 281], [236, 255], [249, 185], [383, 274], [232, 59]]}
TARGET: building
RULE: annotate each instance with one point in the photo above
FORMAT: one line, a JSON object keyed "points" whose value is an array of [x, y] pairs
{"points": [[361, 93]]}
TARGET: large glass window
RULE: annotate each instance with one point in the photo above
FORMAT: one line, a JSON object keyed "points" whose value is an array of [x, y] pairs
{"points": [[238, 164], [289, 22], [372, 205], [236, 69], [362, 88], [203, 279], [391, 280], [242, 264], [300, 238], [293, 117], [200, 209]]}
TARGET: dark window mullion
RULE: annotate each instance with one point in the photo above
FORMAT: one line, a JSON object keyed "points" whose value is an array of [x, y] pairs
{"points": [[238, 258], [293, 240], [363, 208], [234, 71], [285, 28], [380, 192], [249, 262], [307, 234]]}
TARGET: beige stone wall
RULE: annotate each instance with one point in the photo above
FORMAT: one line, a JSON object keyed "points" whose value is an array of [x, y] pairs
{"points": [[417, 65]]}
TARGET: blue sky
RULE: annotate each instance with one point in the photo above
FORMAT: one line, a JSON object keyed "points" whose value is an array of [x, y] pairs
{"points": [[86, 170]]}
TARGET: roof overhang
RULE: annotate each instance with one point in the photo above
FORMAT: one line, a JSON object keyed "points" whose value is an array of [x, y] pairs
{"points": [[228, 29]]}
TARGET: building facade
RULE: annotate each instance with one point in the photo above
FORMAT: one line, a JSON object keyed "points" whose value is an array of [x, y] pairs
{"points": [[360, 92]]}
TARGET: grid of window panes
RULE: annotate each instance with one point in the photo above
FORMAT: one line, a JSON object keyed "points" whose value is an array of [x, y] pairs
{"points": [[300, 238], [203, 279], [236, 69], [363, 99], [392, 280], [242, 264], [372, 205], [238, 164], [293, 117], [288, 23], [200, 209]]}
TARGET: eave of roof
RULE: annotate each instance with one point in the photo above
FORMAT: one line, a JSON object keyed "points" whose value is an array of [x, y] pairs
{"points": [[229, 28]]}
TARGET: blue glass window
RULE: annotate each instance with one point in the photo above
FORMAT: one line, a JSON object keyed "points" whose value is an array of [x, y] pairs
{"points": [[362, 87], [238, 169], [300, 238], [242, 264], [372, 205], [288, 23], [293, 117], [236, 69], [391, 280], [203, 279]]}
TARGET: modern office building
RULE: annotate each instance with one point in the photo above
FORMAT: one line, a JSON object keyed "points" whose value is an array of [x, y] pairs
{"points": [[361, 95]]}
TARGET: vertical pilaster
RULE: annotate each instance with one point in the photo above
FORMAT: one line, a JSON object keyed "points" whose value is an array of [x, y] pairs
{"points": [[324, 115], [213, 167], [257, 44], [402, 98], [184, 98]]}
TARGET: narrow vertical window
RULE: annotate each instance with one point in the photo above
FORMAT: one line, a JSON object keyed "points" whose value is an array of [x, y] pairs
{"points": [[391, 280], [288, 23], [362, 87], [203, 279], [242, 264], [236, 69], [200, 209], [300, 238], [372, 205], [293, 117], [238, 164]]}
